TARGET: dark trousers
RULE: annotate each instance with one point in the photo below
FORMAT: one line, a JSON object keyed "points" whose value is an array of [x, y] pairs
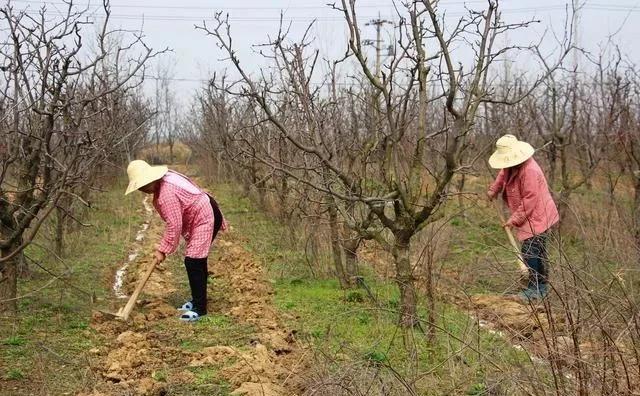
{"points": [[197, 270], [197, 274], [217, 217], [534, 253]]}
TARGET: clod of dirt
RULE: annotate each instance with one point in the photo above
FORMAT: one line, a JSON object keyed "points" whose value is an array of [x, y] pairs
{"points": [[106, 325], [279, 342], [183, 377], [138, 319], [129, 337], [256, 365], [145, 386], [134, 350], [98, 317], [259, 389], [160, 310], [93, 393], [212, 355]]}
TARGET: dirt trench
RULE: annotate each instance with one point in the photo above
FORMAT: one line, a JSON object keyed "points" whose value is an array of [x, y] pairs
{"points": [[147, 355]]}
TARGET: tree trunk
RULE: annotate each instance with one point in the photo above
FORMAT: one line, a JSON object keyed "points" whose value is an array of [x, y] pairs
{"points": [[553, 157], [636, 212], [430, 295], [563, 208], [335, 246], [405, 279], [460, 187], [283, 194], [24, 271], [350, 249], [59, 237], [9, 282]]}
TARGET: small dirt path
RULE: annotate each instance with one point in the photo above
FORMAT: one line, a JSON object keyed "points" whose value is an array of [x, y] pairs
{"points": [[524, 325], [240, 348]]}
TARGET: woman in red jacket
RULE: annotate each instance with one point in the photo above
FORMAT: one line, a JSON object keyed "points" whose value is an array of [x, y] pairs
{"points": [[524, 188]]}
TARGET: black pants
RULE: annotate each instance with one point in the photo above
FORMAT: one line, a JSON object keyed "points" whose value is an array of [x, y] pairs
{"points": [[217, 217], [534, 253], [197, 270], [197, 274]]}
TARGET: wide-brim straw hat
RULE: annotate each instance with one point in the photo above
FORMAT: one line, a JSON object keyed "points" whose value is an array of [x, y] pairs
{"points": [[140, 174], [510, 152]]}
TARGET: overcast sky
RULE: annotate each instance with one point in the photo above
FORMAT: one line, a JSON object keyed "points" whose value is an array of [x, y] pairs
{"points": [[170, 23]]}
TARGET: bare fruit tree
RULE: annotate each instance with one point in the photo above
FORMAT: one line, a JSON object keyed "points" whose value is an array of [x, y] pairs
{"points": [[55, 88], [420, 112], [629, 139]]}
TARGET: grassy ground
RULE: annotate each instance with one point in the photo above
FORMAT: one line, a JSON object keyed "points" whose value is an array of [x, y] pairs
{"points": [[42, 349], [349, 328]]}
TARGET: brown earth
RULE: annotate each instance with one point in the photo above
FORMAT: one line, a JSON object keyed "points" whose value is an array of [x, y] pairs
{"points": [[147, 355]]}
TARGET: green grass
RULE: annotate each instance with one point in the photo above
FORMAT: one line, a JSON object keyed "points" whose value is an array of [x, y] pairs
{"points": [[206, 375], [47, 340], [208, 381], [349, 327], [14, 374], [218, 321], [159, 375], [14, 341]]}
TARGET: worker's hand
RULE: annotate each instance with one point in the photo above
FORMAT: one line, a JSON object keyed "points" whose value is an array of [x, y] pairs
{"points": [[490, 196], [159, 256], [507, 226]]}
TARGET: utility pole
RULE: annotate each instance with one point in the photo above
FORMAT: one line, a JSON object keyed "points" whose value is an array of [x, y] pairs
{"points": [[156, 117], [576, 37], [378, 41], [507, 64]]}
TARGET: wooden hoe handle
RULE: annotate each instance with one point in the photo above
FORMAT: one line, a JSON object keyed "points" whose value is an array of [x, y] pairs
{"points": [[512, 240], [126, 311]]}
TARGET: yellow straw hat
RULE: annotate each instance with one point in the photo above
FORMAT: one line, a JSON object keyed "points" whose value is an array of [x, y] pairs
{"points": [[510, 152], [140, 174]]}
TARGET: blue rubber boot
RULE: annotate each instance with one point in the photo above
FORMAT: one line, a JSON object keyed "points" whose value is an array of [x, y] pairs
{"points": [[543, 290], [534, 293]]}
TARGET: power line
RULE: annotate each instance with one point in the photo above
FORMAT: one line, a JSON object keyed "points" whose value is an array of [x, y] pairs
{"points": [[588, 5], [624, 7], [207, 80], [294, 7], [307, 19]]}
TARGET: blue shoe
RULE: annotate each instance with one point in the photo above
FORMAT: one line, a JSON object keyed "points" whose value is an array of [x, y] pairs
{"points": [[534, 293], [527, 294], [543, 290]]}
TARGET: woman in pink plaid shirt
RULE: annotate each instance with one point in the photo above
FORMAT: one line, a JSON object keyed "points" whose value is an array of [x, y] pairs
{"points": [[187, 211], [523, 186]]}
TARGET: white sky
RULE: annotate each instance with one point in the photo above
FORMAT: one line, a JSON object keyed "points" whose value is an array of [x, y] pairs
{"points": [[170, 24]]}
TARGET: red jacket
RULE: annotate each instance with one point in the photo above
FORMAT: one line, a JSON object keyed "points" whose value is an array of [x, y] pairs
{"points": [[527, 195]]}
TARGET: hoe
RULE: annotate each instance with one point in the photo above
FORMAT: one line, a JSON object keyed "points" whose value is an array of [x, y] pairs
{"points": [[524, 271], [123, 313]]}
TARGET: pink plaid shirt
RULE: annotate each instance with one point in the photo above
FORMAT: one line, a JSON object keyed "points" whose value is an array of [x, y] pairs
{"points": [[527, 195], [186, 210]]}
